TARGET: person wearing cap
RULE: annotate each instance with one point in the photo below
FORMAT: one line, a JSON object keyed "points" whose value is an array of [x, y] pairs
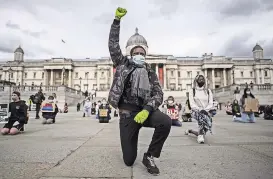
{"points": [[137, 93], [17, 114]]}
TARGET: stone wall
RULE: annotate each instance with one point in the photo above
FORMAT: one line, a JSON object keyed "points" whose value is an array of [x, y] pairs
{"points": [[63, 93]]}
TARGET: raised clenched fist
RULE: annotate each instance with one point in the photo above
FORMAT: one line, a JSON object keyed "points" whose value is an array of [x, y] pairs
{"points": [[120, 12]]}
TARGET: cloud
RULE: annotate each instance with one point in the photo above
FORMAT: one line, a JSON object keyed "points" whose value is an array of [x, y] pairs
{"points": [[242, 45], [239, 45], [104, 18], [165, 8], [6, 49], [11, 25], [179, 28], [245, 7]]}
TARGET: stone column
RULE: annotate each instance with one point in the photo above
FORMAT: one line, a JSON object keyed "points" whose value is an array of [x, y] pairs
{"points": [[62, 78], [206, 76], [271, 76], [257, 76], [262, 73], [51, 77], [112, 76], [213, 78], [224, 76], [45, 77], [70, 78], [156, 69], [176, 79], [165, 77], [98, 80]]}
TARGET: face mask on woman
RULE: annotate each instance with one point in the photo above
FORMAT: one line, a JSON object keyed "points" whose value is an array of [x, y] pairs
{"points": [[248, 92], [104, 102], [170, 101]]}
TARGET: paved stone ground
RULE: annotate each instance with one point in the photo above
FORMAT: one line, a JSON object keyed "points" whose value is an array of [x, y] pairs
{"points": [[77, 147]]}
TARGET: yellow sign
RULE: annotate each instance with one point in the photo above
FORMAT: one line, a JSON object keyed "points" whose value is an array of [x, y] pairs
{"points": [[103, 112]]}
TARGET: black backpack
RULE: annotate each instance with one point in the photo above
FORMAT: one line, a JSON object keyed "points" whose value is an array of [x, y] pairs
{"points": [[36, 99]]}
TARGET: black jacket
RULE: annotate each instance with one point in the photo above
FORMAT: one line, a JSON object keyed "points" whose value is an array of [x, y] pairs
{"points": [[123, 69], [18, 111]]}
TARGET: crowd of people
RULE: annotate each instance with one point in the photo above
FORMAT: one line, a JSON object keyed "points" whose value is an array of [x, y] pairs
{"points": [[136, 93]]}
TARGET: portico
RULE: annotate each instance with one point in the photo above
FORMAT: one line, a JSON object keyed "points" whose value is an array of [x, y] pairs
{"points": [[217, 75]]}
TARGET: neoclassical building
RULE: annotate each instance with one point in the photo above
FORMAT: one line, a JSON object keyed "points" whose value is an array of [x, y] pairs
{"points": [[174, 73]]}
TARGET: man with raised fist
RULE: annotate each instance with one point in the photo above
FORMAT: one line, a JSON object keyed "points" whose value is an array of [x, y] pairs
{"points": [[137, 93]]}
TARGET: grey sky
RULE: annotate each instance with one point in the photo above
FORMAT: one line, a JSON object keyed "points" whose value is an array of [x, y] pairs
{"points": [[176, 27]]}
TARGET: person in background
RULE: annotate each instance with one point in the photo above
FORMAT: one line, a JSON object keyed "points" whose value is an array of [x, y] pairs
{"points": [[97, 109], [30, 102], [78, 107], [49, 111], [105, 105], [201, 102], [268, 112], [247, 117], [38, 99], [87, 108], [236, 112], [65, 108], [17, 114], [173, 111]]}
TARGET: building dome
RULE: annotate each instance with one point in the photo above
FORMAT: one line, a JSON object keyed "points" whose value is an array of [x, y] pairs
{"points": [[257, 48], [19, 50], [136, 39]]}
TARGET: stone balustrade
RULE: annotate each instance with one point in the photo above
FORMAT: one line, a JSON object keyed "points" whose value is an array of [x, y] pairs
{"points": [[263, 92]]}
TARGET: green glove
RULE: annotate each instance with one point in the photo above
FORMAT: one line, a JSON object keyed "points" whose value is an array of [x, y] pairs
{"points": [[141, 116], [120, 12]]}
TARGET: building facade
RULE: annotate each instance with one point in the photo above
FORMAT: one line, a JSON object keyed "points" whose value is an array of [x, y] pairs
{"points": [[174, 73]]}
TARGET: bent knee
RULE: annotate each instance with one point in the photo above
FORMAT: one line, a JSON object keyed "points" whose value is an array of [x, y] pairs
{"points": [[4, 131], [166, 121], [49, 121], [13, 131], [129, 161]]}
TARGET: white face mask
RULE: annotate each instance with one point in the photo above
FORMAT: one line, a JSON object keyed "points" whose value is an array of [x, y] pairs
{"points": [[139, 59], [170, 102], [248, 92], [98, 103], [50, 100], [88, 100]]}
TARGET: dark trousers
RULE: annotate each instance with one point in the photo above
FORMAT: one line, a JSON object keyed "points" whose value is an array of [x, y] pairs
{"points": [[129, 131], [38, 107]]}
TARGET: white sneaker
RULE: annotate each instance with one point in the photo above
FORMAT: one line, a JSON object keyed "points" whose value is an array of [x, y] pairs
{"points": [[200, 139], [187, 132]]}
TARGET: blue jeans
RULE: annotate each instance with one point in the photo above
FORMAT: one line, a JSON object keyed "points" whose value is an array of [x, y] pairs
{"points": [[246, 118], [176, 123]]}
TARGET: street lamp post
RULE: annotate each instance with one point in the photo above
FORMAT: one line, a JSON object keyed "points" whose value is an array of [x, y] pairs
{"points": [[9, 71]]}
